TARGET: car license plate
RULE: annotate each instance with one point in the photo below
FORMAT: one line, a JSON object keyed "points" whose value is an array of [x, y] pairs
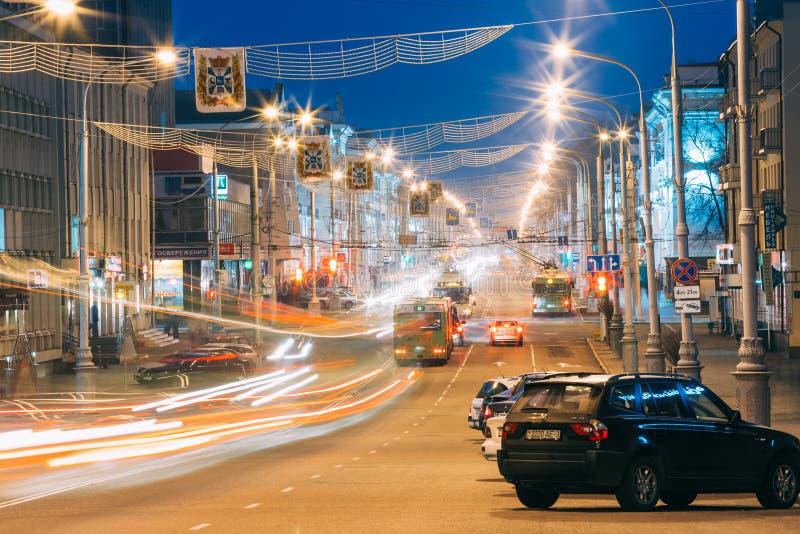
{"points": [[552, 435]]}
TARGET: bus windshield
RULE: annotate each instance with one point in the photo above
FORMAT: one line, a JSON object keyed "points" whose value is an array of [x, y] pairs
{"points": [[410, 322], [549, 289]]}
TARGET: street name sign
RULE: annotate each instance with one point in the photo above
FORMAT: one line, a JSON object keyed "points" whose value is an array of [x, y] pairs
{"points": [[687, 306], [774, 218], [686, 292]]}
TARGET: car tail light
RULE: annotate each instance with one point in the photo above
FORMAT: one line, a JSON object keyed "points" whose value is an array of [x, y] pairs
{"points": [[400, 351], [519, 329], [594, 430], [487, 412], [509, 430], [460, 328], [566, 302], [438, 351], [494, 329]]}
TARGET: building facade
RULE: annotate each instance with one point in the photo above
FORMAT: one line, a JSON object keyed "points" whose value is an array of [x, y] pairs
{"points": [[775, 129], [40, 145]]}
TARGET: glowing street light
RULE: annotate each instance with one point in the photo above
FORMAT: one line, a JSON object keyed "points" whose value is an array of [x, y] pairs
{"points": [[561, 51], [60, 7], [270, 112], [166, 56]]}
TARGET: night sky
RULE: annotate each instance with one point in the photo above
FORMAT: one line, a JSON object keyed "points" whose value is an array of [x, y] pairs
{"points": [[498, 78]]}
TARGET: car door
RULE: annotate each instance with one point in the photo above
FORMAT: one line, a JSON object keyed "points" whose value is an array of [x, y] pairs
{"points": [[674, 433], [730, 451]]}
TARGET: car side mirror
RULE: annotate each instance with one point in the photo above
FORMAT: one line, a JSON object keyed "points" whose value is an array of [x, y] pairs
{"points": [[736, 417]]}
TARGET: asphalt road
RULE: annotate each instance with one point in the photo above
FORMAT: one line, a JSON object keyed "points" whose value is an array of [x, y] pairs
{"points": [[411, 466]]}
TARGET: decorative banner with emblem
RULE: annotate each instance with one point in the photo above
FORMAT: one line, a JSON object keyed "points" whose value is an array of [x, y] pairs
{"points": [[219, 80], [419, 203], [451, 216], [435, 191], [359, 175], [485, 223], [313, 159], [470, 210]]}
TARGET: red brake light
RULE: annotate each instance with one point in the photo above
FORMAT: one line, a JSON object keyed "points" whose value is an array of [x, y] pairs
{"points": [[594, 430], [566, 302], [494, 329], [509, 429], [519, 329], [487, 413], [460, 328]]}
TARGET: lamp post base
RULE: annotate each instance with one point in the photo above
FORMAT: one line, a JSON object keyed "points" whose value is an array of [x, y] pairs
{"points": [[615, 334], [628, 350], [654, 357], [753, 396], [687, 360], [314, 308]]}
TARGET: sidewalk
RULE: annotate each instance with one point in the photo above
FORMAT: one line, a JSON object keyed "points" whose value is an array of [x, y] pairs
{"points": [[717, 355]]}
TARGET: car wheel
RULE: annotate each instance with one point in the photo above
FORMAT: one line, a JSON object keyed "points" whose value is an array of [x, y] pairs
{"points": [[678, 499], [348, 305], [519, 342], [779, 489], [536, 498], [491, 342], [640, 487]]}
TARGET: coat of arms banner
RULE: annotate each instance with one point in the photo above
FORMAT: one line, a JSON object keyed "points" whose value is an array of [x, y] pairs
{"points": [[360, 178], [435, 191], [419, 203], [313, 160], [219, 80]]}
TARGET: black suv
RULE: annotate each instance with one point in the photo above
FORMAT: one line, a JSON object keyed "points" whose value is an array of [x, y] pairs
{"points": [[640, 437]]}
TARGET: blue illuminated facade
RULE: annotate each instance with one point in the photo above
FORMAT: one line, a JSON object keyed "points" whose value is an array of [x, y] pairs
{"points": [[703, 152]]}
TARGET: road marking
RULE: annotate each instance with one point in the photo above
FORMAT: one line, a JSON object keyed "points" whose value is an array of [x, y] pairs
{"points": [[253, 505], [287, 489], [533, 359], [396, 438], [415, 424], [337, 466], [386, 444], [315, 476], [200, 526], [406, 431], [422, 417], [372, 452], [356, 458]]}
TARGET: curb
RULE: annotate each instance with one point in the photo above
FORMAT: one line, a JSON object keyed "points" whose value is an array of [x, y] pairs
{"points": [[599, 360]]}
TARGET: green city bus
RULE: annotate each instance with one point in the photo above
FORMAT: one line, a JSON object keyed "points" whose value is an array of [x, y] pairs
{"points": [[423, 331], [551, 292]]}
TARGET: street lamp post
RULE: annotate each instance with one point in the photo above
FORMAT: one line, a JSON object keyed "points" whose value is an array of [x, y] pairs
{"points": [[687, 362], [752, 378], [255, 253], [655, 353]]}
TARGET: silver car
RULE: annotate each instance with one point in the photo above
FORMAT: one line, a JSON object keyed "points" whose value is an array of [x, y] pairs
{"points": [[509, 331]]}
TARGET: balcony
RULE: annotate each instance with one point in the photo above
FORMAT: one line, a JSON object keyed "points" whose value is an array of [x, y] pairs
{"points": [[768, 141], [727, 104], [729, 177], [768, 79]]}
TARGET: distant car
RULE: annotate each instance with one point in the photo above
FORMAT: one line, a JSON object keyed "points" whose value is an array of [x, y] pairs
{"points": [[503, 401], [347, 299], [642, 437], [458, 332], [489, 388], [509, 331], [177, 368]]}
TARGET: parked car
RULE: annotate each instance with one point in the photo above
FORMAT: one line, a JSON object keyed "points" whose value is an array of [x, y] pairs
{"points": [[347, 299], [642, 438], [509, 331], [502, 402], [244, 350], [178, 368], [493, 433], [489, 388]]}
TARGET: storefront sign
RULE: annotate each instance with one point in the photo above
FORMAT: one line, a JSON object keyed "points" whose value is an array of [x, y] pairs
{"points": [[181, 253]]}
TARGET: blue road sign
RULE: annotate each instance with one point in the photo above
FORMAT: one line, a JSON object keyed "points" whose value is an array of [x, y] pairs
{"points": [[511, 234], [684, 271], [604, 263]]}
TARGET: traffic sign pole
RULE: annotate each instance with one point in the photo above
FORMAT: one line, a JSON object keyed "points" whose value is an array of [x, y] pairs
{"points": [[684, 271]]}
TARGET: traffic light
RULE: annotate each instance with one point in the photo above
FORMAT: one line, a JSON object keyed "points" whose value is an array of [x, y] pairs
{"points": [[298, 275], [248, 264], [332, 265], [601, 285]]}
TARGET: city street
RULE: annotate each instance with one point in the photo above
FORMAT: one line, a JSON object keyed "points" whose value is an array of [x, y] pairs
{"points": [[410, 465]]}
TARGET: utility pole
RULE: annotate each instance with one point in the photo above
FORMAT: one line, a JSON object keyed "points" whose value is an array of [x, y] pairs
{"points": [[255, 253], [752, 378]]}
